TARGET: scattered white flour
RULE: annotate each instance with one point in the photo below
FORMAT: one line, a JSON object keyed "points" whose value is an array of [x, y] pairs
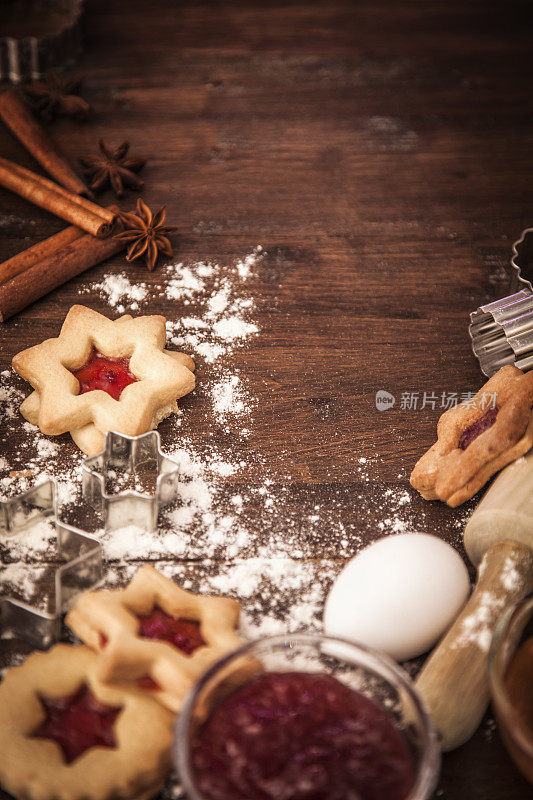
{"points": [[246, 265], [477, 628], [218, 302], [510, 577], [275, 543], [228, 397], [21, 581], [38, 458], [135, 543], [233, 327], [120, 292], [184, 283], [46, 448], [10, 398], [194, 323], [34, 542], [223, 468], [209, 352]]}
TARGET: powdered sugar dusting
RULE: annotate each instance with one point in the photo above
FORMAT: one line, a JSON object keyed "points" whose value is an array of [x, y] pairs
{"points": [[10, 398], [274, 543], [510, 576], [39, 457], [222, 302], [120, 292], [233, 327], [22, 581], [477, 628], [229, 397], [276, 584], [35, 542]]}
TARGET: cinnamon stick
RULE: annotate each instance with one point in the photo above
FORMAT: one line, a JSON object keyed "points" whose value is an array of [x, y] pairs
{"points": [[23, 261], [54, 269], [82, 202], [30, 132], [78, 210]]}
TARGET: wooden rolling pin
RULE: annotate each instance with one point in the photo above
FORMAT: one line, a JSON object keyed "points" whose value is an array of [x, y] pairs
{"points": [[499, 539]]}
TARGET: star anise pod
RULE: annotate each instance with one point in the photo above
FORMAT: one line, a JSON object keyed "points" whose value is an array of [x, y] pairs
{"points": [[147, 234], [113, 167], [56, 98]]}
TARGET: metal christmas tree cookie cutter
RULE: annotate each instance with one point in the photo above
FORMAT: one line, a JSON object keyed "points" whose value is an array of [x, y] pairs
{"points": [[502, 331], [81, 552], [81, 569]]}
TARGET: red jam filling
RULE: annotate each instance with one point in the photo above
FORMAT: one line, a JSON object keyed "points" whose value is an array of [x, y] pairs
{"points": [[78, 723], [181, 633], [478, 427], [300, 736], [148, 683], [100, 372]]}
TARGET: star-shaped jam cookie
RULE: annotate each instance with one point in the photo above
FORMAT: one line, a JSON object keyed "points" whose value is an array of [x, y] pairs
{"points": [[156, 634], [63, 733], [478, 438], [100, 375]]}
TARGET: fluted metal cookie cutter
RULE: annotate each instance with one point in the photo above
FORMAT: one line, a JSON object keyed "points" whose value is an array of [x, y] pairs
{"points": [[135, 456], [81, 569], [31, 57], [502, 331]]}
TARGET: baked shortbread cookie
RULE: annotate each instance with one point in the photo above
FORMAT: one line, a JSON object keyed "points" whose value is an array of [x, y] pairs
{"points": [[478, 438], [64, 734], [155, 633], [101, 375]]}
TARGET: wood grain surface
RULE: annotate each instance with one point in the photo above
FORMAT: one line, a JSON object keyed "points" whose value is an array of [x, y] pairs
{"points": [[380, 152]]}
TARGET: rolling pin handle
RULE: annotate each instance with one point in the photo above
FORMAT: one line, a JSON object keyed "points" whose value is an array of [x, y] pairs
{"points": [[454, 680]]}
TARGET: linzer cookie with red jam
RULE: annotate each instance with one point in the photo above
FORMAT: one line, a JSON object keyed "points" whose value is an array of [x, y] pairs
{"points": [[101, 375], [155, 634], [64, 734], [478, 438]]}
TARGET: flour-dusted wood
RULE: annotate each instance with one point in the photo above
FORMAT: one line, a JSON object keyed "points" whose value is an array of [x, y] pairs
{"points": [[381, 154]]}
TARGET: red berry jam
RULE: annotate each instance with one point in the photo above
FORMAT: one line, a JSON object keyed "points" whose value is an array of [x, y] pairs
{"points": [[479, 426], [300, 736], [78, 723], [181, 633], [148, 683], [100, 372]]}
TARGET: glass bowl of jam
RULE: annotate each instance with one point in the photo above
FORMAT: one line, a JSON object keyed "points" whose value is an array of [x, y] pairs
{"points": [[511, 682], [305, 717]]}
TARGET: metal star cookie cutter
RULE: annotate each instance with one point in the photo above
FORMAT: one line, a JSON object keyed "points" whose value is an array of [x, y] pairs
{"points": [[502, 331], [81, 570], [131, 455]]}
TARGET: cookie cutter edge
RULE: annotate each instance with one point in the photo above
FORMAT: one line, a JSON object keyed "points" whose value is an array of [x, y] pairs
{"points": [[501, 332], [30, 57], [130, 506], [82, 568]]}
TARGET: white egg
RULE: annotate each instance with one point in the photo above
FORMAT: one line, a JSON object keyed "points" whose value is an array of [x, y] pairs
{"points": [[399, 595]]}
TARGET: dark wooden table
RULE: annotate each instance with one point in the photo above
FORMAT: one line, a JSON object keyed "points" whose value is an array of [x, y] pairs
{"points": [[380, 152]]}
